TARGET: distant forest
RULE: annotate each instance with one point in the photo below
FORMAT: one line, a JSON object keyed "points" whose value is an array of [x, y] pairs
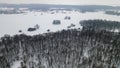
{"points": [[46, 7]]}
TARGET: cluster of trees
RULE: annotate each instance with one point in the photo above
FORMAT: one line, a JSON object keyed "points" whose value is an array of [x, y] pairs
{"points": [[64, 49], [36, 27], [100, 24]]}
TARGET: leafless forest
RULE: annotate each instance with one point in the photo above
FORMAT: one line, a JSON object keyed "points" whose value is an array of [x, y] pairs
{"points": [[72, 48]]}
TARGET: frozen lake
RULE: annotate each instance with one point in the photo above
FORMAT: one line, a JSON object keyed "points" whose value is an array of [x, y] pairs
{"points": [[12, 23]]}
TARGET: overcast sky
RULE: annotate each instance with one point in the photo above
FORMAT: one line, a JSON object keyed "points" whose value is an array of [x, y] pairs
{"points": [[74, 2]]}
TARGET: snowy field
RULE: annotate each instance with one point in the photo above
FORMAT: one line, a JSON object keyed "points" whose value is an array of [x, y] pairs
{"points": [[12, 23]]}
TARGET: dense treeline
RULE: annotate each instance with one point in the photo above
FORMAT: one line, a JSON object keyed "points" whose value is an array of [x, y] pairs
{"points": [[100, 24], [66, 49], [117, 13]]}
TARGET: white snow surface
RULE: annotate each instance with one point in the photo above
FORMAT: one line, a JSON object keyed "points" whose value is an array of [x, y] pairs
{"points": [[16, 64]]}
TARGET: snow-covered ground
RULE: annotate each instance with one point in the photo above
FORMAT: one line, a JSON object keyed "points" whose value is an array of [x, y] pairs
{"points": [[16, 64], [12, 23]]}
